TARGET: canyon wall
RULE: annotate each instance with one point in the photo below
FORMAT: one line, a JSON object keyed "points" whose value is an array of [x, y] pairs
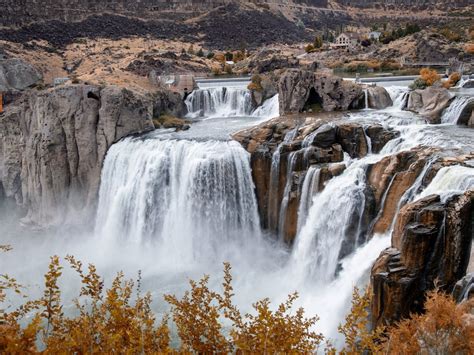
{"points": [[21, 12], [53, 144]]}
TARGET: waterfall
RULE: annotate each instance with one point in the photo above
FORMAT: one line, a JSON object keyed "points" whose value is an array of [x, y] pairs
{"points": [[452, 114], [228, 102], [269, 109], [399, 96], [366, 98], [219, 102], [273, 193], [189, 197], [310, 187], [449, 181], [335, 213]]}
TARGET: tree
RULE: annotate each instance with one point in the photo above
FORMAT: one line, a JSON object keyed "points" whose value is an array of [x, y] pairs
{"points": [[318, 42]]}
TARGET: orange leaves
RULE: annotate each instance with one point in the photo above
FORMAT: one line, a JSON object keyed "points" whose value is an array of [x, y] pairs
{"points": [[430, 76], [446, 327]]}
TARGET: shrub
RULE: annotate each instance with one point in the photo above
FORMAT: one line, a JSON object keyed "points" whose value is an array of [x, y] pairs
{"points": [[450, 34], [445, 328], [255, 83], [418, 84], [216, 71], [191, 50], [318, 42], [309, 48], [452, 80], [210, 55], [430, 76], [200, 53], [229, 56], [469, 48]]}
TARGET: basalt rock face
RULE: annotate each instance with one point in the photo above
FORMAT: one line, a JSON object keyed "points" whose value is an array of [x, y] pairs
{"points": [[16, 74], [431, 245], [267, 60], [283, 149], [301, 89], [429, 103], [53, 144], [378, 97], [390, 180]]}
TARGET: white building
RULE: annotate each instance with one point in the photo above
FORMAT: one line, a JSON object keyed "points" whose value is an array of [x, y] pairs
{"points": [[375, 35], [346, 40]]}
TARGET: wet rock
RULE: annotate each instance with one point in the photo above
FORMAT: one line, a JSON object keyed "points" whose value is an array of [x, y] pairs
{"points": [[267, 60], [325, 136], [351, 137], [464, 288], [378, 97], [16, 74], [390, 178], [429, 103], [54, 143], [430, 245], [467, 115], [380, 136]]}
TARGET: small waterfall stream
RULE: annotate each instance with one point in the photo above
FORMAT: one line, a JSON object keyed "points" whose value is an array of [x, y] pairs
{"points": [[453, 113], [229, 101]]}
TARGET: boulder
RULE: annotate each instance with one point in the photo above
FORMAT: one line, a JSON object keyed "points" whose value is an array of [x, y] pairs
{"points": [[378, 97], [464, 288], [53, 144], [379, 136], [351, 137], [16, 74], [466, 117], [431, 245], [429, 103], [301, 89]]}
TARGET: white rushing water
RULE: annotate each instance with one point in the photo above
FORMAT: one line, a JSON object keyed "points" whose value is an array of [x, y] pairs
{"points": [[186, 196], [453, 112], [232, 101]]}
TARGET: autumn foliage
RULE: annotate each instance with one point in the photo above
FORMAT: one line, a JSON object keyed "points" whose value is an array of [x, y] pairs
{"points": [[430, 76], [119, 319]]}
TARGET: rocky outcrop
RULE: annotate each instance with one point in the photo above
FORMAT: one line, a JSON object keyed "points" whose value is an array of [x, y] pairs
{"points": [[429, 103], [466, 117], [283, 149], [464, 288], [53, 144], [431, 245], [390, 180], [378, 97], [16, 74], [267, 60], [301, 90]]}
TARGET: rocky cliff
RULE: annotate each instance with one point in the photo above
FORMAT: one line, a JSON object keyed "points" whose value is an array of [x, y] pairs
{"points": [[431, 246], [53, 143]]}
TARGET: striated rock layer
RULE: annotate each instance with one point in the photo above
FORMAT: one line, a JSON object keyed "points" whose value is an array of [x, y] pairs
{"points": [[283, 149], [53, 143], [431, 246]]}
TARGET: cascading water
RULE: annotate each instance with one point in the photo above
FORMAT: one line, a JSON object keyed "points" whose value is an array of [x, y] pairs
{"points": [[219, 102], [310, 187], [330, 220], [186, 196], [448, 181], [452, 114], [232, 101]]}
